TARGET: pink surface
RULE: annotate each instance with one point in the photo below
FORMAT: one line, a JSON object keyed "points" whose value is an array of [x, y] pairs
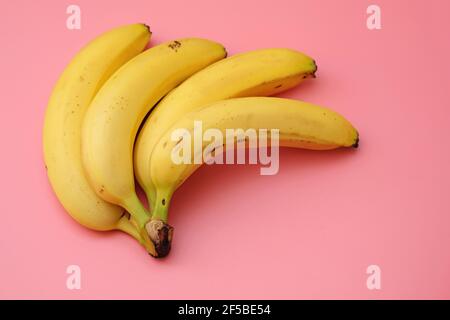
{"points": [[310, 231]]}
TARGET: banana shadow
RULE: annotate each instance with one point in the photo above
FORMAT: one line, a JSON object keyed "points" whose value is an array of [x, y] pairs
{"points": [[220, 179]]}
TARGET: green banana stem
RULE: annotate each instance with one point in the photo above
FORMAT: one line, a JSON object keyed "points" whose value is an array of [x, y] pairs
{"points": [[161, 206], [140, 217], [125, 225], [129, 226], [159, 231], [151, 198], [137, 210]]}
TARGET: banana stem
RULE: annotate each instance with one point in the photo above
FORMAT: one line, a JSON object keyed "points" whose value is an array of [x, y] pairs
{"points": [[161, 205], [136, 209], [128, 225], [160, 211], [151, 198], [158, 230], [140, 218]]}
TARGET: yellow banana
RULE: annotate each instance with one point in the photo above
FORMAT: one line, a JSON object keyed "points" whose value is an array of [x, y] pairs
{"points": [[300, 125], [257, 73], [113, 119], [73, 93]]}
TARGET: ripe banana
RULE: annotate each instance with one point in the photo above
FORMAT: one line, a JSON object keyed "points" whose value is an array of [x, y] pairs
{"points": [[113, 119], [300, 124], [69, 101], [257, 73]]}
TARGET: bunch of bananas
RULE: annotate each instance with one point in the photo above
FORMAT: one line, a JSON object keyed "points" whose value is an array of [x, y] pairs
{"points": [[94, 150]]}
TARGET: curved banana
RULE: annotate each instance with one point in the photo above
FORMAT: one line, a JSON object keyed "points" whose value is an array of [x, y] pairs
{"points": [[256, 73], [113, 119], [300, 124], [74, 91]]}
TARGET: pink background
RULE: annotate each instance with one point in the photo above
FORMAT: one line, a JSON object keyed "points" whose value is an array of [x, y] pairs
{"points": [[308, 232]]}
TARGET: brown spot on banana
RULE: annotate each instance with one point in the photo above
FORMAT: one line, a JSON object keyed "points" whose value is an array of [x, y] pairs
{"points": [[175, 45]]}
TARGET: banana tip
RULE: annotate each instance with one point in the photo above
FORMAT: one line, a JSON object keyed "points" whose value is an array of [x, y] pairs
{"points": [[148, 27], [356, 144], [226, 52], [313, 75]]}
